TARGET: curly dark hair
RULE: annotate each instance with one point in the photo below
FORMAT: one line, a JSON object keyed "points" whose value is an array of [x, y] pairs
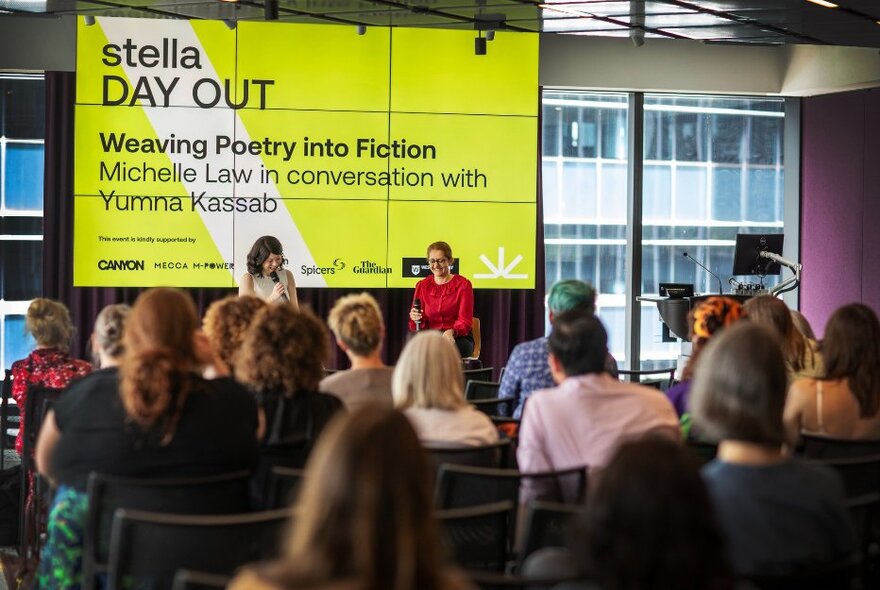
{"points": [[260, 251], [283, 351], [226, 322]]}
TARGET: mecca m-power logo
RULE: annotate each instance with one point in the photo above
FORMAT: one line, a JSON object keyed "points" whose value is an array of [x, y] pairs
{"points": [[192, 140]]}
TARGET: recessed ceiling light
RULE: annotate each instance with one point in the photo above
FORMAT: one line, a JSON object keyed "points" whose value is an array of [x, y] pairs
{"points": [[824, 3]]}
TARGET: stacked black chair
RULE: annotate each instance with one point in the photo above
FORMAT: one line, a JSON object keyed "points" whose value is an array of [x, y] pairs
{"points": [[484, 374], [494, 455], [493, 407], [216, 494], [826, 447], [38, 402], [478, 536], [475, 389], [191, 580], [148, 548], [284, 484], [547, 524]]}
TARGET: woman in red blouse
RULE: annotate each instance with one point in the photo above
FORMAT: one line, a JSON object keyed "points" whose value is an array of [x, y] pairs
{"points": [[49, 364], [445, 301]]}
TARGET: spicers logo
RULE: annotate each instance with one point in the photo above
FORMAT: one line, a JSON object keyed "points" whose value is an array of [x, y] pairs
{"points": [[120, 265]]}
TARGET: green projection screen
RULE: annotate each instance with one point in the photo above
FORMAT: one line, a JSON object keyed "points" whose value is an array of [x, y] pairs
{"points": [[356, 151]]}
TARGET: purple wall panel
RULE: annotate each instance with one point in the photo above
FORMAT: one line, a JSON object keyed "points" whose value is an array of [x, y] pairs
{"points": [[832, 214], [871, 202]]}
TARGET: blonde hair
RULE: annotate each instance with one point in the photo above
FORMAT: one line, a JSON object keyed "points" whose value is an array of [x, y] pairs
{"points": [[49, 323], [428, 374], [357, 321]]}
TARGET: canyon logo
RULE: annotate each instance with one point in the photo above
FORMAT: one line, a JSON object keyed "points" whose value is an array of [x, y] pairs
{"points": [[120, 264]]}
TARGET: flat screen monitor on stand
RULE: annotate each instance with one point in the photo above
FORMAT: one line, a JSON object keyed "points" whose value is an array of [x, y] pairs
{"points": [[747, 259]]}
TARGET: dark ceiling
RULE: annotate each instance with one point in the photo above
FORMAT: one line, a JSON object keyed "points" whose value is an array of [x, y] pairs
{"points": [[852, 23]]}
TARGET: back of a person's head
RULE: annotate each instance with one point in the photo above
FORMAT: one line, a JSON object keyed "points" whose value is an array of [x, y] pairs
{"points": [[773, 313], [226, 322], [109, 329], [283, 351], [356, 321], [851, 350], [802, 324], [428, 374], [49, 323], [159, 353], [710, 316], [579, 342], [740, 385], [571, 294], [649, 522], [365, 513]]}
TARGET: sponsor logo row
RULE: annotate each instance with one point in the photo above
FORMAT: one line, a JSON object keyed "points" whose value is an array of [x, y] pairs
{"points": [[411, 267]]}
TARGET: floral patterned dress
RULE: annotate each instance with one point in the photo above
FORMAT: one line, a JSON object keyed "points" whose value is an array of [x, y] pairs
{"points": [[49, 367]]}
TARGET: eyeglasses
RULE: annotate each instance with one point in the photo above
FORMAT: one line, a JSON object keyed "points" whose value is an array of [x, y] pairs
{"points": [[437, 262]]}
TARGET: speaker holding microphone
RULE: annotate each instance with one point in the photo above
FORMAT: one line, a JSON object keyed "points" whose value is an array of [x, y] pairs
{"points": [[276, 280], [417, 305]]}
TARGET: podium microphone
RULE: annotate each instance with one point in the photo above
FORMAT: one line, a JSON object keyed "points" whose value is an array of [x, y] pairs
{"points": [[417, 305], [274, 277], [694, 260]]}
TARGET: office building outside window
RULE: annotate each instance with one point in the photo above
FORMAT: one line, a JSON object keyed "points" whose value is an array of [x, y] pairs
{"points": [[713, 167], [22, 132]]}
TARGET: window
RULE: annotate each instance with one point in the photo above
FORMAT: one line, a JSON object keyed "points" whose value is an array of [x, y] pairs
{"points": [[21, 207], [712, 168]]}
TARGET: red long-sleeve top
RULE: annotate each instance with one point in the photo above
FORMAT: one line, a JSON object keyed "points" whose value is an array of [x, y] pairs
{"points": [[446, 306]]}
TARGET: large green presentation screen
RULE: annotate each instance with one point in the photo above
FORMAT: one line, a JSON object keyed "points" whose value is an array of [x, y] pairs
{"points": [[356, 151]]}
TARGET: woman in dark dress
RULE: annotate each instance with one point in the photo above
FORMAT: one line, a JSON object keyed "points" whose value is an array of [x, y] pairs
{"points": [[281, 361], [153, 416]]}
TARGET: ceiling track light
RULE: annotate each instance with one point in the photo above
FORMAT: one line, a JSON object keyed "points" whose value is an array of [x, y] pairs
{"points": [[89, 20], [230, 24], [270, 9], [490, 35], [480, 44], [362, 29]]}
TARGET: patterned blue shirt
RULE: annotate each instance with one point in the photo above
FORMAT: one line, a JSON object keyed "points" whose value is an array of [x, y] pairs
{"points": [[527, 370]]}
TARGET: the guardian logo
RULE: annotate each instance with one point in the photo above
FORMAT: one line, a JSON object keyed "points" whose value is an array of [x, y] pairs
{"points": [[120, 265]]}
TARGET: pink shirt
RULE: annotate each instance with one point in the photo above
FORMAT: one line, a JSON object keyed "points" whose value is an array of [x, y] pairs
{"points": [[583, 420]]}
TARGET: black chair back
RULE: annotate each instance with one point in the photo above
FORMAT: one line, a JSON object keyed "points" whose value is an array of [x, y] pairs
{"points": [[484, 374], [216, 494], [702, 451], [478, 536], [836, 576], [191, 580], [498, 581], [147, 548], [547, 524], [826, 447], [493, 407], [462, 487], [474, 390], [494, 455], [37, 404], [284, 484], [860, 475]]}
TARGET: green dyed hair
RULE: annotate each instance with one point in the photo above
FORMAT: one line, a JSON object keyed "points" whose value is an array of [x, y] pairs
{"points": [[572, 294]]}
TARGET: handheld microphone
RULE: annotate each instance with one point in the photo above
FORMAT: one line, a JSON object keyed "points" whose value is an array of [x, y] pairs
{"points": [[274, 277], [694, 260], [417, 305]]}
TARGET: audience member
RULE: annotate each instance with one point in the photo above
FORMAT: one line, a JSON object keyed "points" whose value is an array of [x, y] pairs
{"points": [[650, 524], [428, 386], [281, 361], [778, 513], [49, 364], [583, 420], [226, 322], [527, 369], [356, 322], [364, 520], [800, 359], [154, 416], [845, 403], [710, 316], [803, 325]]}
